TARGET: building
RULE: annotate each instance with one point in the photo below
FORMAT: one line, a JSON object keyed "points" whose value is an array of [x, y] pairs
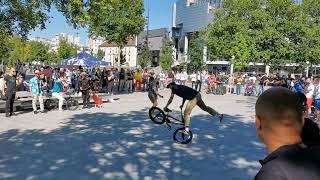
{"points": [[129, 52], [190, 16], [155, 38], [94, 43], [71, 39]]}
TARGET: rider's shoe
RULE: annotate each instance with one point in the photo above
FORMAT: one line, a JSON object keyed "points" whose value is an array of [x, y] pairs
{"points": [[184, 132], [220, 117]]}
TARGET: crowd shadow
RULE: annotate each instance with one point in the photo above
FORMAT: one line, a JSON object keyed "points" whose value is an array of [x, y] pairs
{"points": [[130, 146]]}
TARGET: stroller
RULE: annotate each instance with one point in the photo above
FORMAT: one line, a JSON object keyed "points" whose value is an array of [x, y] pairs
{"points": [[249, 91]]}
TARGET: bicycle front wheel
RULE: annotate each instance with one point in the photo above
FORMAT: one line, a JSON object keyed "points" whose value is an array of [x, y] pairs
{"points": [[182, 137], [157, 115], [72, 104]]}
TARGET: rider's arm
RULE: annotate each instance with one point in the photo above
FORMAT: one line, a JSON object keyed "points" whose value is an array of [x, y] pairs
{"points": [[170, 100]]}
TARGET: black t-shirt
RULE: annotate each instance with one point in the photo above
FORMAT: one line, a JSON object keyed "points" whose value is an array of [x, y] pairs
{"points": [[184, 92], [130, 76], [291, 162], [121, 75], [11, 84]]}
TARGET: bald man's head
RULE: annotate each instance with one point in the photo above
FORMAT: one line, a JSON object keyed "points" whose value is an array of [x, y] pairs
{"points": [[279, 105]]}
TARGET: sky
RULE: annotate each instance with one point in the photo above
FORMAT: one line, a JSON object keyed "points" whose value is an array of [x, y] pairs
{"points": [[160, 16]]}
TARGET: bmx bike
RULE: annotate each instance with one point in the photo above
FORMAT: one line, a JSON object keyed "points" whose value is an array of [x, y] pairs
{"points": [[70, 103], [159, 116]]}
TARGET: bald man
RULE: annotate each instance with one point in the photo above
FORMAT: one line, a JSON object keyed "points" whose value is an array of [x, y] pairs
{"points": [[279, 123]]}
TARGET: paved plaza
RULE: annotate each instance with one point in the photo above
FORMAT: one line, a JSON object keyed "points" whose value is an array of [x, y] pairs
{"points": [[119, 141]]}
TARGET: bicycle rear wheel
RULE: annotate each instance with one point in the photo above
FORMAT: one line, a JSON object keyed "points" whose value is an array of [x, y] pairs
{"points": [[182, 138], [157, 115], [51, 104], [72, 104]]}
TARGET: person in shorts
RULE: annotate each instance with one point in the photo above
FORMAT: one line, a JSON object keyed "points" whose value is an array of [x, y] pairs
{"points": [[309, 92]]}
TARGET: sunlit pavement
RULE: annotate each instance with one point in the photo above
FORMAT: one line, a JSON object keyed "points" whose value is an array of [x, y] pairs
{"points": [[118, 141]]}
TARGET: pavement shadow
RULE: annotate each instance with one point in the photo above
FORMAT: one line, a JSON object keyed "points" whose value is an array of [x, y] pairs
{"points": [[130, 146]]}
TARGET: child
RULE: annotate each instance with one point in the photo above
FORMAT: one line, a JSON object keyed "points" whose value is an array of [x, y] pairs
{"points": [[153, 90]]}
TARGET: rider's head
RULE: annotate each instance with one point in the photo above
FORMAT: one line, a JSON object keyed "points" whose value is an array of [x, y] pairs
{"points": [[170, 84]]}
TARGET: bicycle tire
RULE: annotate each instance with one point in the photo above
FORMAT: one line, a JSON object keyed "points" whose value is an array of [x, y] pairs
{"points": [[177, 133], [159, 118], [51, 104], [72, 104]]}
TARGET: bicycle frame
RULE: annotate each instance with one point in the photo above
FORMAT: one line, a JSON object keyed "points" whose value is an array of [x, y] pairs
{"points": [[174, 119]]}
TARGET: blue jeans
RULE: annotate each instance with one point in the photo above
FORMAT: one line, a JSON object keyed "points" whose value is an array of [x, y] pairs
{"points": [[260, 91], [238, 89]]}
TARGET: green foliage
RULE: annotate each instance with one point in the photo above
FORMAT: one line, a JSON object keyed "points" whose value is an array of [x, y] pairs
{"points": [[144, 55], [100, 54], [116, 20], [39, 52], [196, 53], [66, 50], [166, 55], [268, 31]]}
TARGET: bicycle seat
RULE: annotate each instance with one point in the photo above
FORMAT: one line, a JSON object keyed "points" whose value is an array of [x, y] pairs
{"points": [[167, 110]]}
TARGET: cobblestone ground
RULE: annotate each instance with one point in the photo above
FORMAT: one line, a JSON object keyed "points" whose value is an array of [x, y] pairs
{"points": [[118, 141]]}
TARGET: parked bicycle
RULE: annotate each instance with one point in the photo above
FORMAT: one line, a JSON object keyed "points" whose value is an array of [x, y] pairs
{"points": [[70, 102], [159, 116]]}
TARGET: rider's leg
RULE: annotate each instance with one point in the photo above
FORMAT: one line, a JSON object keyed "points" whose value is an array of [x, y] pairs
{"points": [[190, 105], [204, 107]]}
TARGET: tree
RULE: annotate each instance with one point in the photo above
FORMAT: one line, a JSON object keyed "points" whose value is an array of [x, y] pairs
{"points": [[18, 51], [116, 21], [144, 55], [196, 53], [66, 50], [100, 54], [166, 55], [39, 52], [271, 32]]}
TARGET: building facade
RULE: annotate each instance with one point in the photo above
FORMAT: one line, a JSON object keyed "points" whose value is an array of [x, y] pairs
{"points": [[94, 43], [155, 39], [190, 16], [129, 53]]}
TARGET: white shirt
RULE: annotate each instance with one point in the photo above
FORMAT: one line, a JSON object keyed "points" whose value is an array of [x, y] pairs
{"points": [[178, 76], [162, 76], [253, 78], [183, 76], [311, 91], [193, 77]]}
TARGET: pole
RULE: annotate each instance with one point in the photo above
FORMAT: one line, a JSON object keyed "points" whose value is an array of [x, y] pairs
{"points": [[148, 21]]}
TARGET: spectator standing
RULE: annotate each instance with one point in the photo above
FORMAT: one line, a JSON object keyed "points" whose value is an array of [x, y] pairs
{"points": [[145, 78], [111, 80], [193, 80], [178, 77], [122, 80], [85, 89], [183, 78], [162, 79], [138, 79], [36, 88], [309, 92], [279, 124], [129, 81], [10, 90], [239, 82], [57, 91], [317, 98], [200, 78], [2, 85]]}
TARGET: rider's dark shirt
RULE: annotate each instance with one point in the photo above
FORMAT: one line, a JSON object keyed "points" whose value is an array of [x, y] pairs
{"points": [[184, 92]]}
